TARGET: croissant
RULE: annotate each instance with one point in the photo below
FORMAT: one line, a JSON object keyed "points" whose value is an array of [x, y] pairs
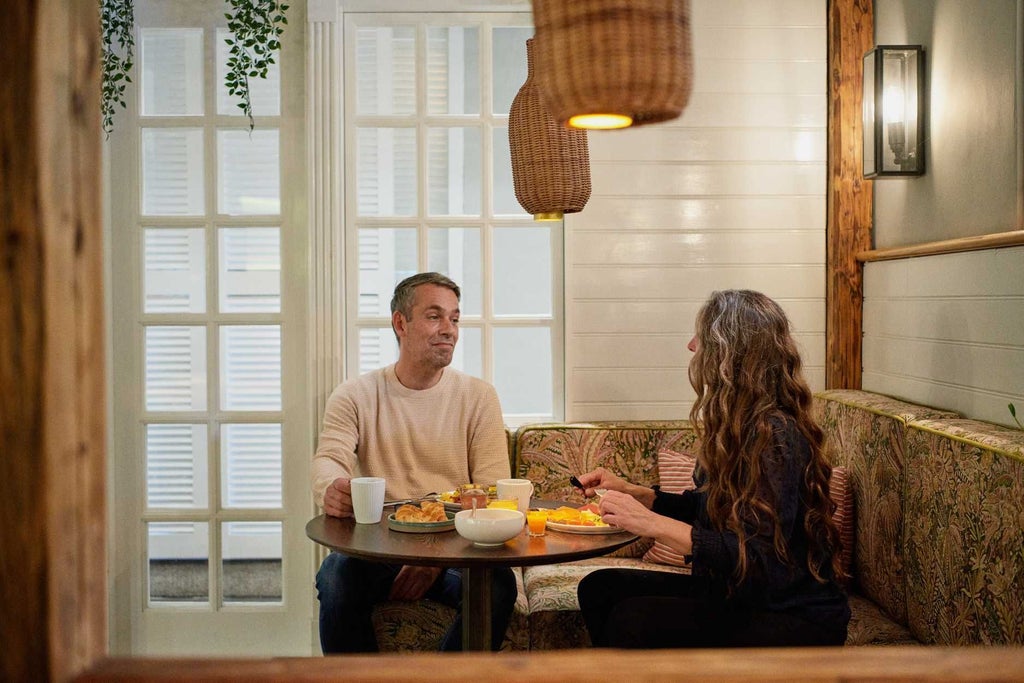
{"points": [[427, 511]]}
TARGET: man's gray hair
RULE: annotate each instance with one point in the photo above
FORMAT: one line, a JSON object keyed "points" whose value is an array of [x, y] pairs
{"points": [[405, 291]]}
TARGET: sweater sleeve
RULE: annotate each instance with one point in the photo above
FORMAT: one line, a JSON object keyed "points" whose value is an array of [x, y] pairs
{"points": [[336, 449]]}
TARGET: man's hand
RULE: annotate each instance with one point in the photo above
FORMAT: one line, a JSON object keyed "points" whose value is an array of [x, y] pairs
{"points": [[412, 582], [338, 498]]}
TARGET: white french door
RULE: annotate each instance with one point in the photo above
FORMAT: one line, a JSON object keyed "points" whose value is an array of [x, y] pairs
{"points": [[211, 406]]}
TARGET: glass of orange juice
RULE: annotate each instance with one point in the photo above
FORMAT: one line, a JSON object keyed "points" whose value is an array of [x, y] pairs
{"points": [[536, 522]]}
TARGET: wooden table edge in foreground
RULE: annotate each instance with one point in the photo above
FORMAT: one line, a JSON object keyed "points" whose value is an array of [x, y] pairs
{"points": [[933, 664]]}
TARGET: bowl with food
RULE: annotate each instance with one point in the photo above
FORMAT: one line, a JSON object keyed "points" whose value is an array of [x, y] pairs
{"points": [[489, 526]]}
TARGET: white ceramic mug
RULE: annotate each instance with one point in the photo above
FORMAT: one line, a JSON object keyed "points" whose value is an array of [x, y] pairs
{"points": [[520, 489], [367, 499]]}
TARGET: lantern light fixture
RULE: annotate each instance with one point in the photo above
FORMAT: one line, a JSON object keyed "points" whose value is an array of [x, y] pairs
{"points": [[894, 111]]}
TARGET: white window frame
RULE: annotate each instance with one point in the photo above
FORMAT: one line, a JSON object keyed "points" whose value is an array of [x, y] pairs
{"points": [[346, 334]]}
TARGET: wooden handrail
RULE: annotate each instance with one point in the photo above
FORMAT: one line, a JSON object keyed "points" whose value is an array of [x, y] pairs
{"points": [[996, 240]]}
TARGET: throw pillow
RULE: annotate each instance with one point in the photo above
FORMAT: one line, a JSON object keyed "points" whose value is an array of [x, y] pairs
{"points": [[840, 490], [675, 474]]}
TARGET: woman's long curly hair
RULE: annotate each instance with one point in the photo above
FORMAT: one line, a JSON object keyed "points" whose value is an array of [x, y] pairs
{"points": [[746, 369]]}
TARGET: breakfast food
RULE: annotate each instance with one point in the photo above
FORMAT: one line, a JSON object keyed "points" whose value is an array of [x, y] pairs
{"points": [[584, 516], [427, 511], [456, 495]]}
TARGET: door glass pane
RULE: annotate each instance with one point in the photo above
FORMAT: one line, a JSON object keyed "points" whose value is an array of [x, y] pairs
{"points": [[453, 168], [468, 355], [175, 368], [251, 465], [522, 271], [377, 348], [248, 172], [504, 193], [455, 252], [522, 369], [172, 172], [172, 71], [179, 562], [386, 70], [264, 93], [453, 70], [386, 257], [176, 466], [252, 561], [386, 171], [250, 362], [175, 277], [509, 58], [250, 270]]}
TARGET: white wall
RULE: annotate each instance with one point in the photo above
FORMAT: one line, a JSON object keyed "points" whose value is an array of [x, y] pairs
{"points": [[948, 331], [731, 194]]}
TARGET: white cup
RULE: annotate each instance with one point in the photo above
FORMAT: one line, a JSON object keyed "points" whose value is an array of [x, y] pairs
{"points": [[367, 499], [520, 489]]}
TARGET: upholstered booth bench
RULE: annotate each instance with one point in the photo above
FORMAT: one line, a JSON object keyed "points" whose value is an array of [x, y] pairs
{"points": [[937, 555]]}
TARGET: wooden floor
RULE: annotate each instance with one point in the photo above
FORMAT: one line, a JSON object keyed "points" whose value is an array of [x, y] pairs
{"points": [[915, 663]]}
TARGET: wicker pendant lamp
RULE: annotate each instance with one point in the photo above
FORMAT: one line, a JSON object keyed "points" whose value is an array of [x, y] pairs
{"points": [[550, 163], [613, 63]]}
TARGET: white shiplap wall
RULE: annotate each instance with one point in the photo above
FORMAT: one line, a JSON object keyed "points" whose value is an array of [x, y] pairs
{"points": [[948, 331], [731, 194]]}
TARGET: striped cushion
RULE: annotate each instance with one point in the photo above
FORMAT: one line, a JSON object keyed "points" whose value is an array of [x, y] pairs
{"points": [[675, 474], [840, 490]]}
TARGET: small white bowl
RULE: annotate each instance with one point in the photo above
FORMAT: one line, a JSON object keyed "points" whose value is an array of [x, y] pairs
{"points": [[489, 526]]}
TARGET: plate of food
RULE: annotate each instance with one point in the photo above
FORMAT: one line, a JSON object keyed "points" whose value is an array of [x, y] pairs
{"points": [[581, 520], [453, 499], [426, 518]]}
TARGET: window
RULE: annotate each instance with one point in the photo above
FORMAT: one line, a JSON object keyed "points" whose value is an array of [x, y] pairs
{"points": [[207, 429], [429, 187]]}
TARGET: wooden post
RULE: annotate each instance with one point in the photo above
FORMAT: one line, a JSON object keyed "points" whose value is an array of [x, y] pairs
{"points": [[52, 404], [849, 195]]}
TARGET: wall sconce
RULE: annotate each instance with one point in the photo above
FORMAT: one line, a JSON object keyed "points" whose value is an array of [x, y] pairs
{"points": [[894, 111], [605, 64]]}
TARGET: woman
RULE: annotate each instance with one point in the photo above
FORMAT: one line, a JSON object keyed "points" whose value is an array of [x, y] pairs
{"points": [[758, 528]]}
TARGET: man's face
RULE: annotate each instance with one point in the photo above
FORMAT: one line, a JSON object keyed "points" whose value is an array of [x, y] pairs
{"points": [[429, 336]]}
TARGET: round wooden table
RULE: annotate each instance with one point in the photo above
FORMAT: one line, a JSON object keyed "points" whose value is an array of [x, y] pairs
{"points": [[376, 542]]}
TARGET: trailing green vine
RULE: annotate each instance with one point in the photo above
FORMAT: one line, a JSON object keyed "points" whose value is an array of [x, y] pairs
{"points": [[255, 27], [1013, 414], [117, 18]]}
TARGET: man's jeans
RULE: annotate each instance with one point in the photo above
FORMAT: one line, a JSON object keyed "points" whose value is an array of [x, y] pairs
{"points": [[348, 588]]}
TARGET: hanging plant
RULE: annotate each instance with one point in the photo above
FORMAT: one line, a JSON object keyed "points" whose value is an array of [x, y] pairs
{"points": [[117, 18], [255, 27]]}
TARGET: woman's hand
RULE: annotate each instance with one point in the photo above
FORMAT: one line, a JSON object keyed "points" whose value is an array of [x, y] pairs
{"points": [[626, 512], [601, 479]]}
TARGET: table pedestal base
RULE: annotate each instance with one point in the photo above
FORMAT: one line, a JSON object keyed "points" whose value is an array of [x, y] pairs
{"points": [[476, 608]]}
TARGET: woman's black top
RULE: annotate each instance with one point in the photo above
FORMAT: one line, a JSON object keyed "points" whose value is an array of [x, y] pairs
{"points": [[770, 584]]}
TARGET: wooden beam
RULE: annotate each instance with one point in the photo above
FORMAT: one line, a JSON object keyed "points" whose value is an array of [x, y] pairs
{"points": [[587, 665], [849, 195], [52, 404], [996, 240]]}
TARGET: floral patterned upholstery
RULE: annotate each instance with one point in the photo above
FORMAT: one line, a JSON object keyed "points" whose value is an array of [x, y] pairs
{"points": [[865, 434], [965, 532]]}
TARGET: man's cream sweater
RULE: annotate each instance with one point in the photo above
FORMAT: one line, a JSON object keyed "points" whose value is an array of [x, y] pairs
{"points": [[424, 441]]}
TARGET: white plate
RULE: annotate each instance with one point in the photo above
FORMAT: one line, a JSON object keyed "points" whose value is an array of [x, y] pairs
{"points": [[580, 529]]}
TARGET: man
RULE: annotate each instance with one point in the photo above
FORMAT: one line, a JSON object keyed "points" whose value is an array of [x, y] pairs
{"points": [[423, 427]]}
